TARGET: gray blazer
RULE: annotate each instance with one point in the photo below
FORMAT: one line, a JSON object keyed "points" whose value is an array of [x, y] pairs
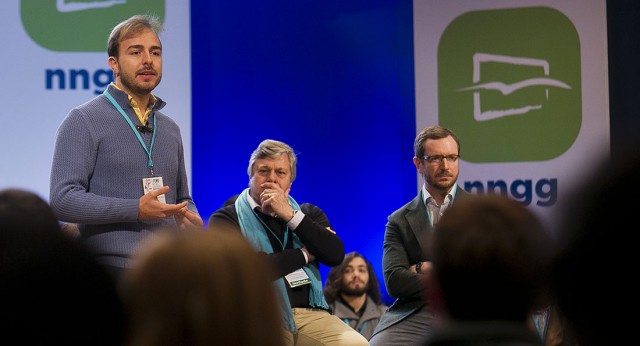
{"points": [[406, 242]]}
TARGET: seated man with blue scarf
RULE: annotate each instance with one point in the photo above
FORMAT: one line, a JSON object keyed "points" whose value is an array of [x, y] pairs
{"points": [[295, 239]]}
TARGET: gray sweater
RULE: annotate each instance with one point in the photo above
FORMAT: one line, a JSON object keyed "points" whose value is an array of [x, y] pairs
{"points": [[97, 171], [364, 324]]}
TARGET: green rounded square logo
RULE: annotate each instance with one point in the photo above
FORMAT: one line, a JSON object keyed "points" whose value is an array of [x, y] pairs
{"points": [[80, 25], [509, 84]]}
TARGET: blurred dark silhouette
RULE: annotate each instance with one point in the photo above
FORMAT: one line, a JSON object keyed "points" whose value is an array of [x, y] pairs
{"points": [[593, 274], [491, 257], [53, 290], [25, 211]]}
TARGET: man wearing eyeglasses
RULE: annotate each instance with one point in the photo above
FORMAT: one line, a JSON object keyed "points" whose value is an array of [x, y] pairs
{"points": [[406, 256]]}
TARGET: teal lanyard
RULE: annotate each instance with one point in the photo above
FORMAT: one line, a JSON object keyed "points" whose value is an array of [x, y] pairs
{"points": [[286, 231], [345, 320], [153, 136]]}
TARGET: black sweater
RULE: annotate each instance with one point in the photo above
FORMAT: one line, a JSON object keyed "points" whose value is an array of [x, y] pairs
{"points": [[312, 231]]}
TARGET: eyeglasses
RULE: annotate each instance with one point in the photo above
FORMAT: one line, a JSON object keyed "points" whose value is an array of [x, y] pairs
{"points": [[433, 159]]}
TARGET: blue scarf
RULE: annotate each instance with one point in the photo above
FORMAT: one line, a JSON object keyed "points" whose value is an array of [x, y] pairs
{"points": [[254, 231]]}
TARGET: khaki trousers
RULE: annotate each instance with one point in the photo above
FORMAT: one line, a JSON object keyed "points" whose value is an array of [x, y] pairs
{"points": [[317, 327]]}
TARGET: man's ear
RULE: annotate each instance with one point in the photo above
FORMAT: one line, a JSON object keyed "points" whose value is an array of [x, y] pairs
{"points": [[113, 63], [418, 163]]}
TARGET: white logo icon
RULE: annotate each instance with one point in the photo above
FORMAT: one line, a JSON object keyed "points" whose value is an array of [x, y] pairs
{"points": [[506, 89], [73, 6]]}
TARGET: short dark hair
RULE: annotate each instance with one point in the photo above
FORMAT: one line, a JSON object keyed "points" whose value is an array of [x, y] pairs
{"points": [[432, 132], [130, 27]]}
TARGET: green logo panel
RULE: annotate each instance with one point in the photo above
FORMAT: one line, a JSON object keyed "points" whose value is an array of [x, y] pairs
{"points": [[509, 84], [80, 25]]}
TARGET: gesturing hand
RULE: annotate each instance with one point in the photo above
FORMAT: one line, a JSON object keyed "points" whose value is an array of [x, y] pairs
{"points": [[188, 220], [149, 208]]}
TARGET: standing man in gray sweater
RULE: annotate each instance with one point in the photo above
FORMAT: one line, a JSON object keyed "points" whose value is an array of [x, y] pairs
{"points": [[118, 167]]}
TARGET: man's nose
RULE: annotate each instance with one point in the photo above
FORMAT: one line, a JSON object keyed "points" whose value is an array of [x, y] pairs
{"points": [[146, 58]]}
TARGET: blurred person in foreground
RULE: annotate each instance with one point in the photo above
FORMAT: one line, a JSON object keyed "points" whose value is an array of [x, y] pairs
{"points": [[353, 293], [53, 290], [406, 257], [491, 261], [25, 211], [593, 273], [118, 170], [206, 288], [294, 239]]}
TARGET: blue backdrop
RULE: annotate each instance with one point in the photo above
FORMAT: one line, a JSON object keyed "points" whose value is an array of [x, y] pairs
{"points": [[334, 79]]}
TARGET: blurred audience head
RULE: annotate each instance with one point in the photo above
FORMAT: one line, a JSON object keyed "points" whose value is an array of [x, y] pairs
{"points": [[25, 211], [53, 290], [593, 274], [201, 288], [491, 257]]}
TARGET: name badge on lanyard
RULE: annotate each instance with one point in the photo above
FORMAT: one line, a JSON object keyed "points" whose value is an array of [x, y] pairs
{"points": [[152, 184], [297, 278]]}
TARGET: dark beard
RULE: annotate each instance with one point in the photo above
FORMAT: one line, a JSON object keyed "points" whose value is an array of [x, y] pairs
{"points": [[356, 292], [438, 185]]}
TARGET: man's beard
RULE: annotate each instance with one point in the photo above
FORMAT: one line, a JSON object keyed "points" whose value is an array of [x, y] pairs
{"points": [[130, 83], [355, 292], [441, 186]]}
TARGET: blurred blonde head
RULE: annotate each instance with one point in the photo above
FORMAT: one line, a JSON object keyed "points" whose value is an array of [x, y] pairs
{"points": [[201, 288]]}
